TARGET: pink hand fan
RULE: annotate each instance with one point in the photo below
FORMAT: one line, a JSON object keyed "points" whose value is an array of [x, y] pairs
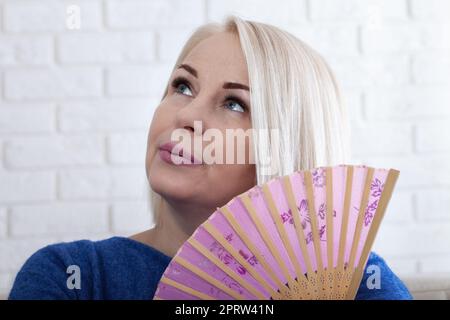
{"points": [[306, 235]]}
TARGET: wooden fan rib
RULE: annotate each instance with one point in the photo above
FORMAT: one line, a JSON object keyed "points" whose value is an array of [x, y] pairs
{"points": [[297, 223], [283, 235], [329, 272], [207, 277], [300, 233], [241, 233], [185, 289], [351, 271], [267, 239], [219, 237], [338, 291], [379, 214], [315, 231]]}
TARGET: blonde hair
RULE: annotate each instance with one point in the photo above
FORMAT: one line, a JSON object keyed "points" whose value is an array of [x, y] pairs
{"points": [[292, 89]]}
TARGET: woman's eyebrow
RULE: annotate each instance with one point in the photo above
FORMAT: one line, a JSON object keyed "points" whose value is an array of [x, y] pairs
{"points": [[226, 85]]}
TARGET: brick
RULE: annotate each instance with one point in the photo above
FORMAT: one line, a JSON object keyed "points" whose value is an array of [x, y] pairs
{"points": [[433, 136], [127, 148], [329, 39], [405, 38], [407, 103], [25, 50], [106, 47], [130, 217], [49, 151], [291, 12], [433, 205], [3, 222], [402, 266], [50, 15], [413, 240], [381, 139], [58, 218], [371, 71], [113, 115], [27, 119], [134, 14], [439, 264], [137, 80], [430, 9], [26, 186], [53, 82], [431, 68], [14, 252], [371, 11], [400, 209], [102, 183]]}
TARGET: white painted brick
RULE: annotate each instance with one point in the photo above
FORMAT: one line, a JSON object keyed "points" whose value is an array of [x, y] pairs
{"points": [[290, 12], [104, 183], [50, 15], [434, 135], [129, 148], [413, 240], [25, 50], [107, 47], [3, 222], [6, 282], [381, 139], [352, 99], [430, 9], [433, 205], [435, 264], [27, 119], [407, 38], [369, 11], [328, 39], [93, 236], [432, 68], [416, 171], [53, 82], [51, 151], [117, 114], [130, 217], [138, 80], [141, 14], [26, 186], [371, 71], [407, 103], [400, 209], [58, 218], [14, 252], [402, 266]]}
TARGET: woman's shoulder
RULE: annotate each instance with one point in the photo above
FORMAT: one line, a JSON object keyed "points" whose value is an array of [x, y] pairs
{"points": [[379, 282], [86, 269]]}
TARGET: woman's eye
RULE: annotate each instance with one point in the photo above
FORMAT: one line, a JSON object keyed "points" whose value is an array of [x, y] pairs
{"points": [[177, 83], [235, 106]]}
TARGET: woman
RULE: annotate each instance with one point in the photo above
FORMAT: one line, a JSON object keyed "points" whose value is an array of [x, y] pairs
{"points": [[242, 75]]}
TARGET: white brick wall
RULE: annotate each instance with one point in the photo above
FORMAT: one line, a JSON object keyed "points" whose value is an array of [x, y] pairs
{"points": [[75, 106]]}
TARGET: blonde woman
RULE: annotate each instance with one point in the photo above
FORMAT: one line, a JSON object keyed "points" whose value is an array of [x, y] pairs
{"points": [[237, 76]]}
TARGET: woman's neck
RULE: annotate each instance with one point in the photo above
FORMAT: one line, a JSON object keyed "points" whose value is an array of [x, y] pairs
{"points": [[174, 226]]}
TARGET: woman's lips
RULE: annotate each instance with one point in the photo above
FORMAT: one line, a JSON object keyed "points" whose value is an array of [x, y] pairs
{"points": [[172, 154]]}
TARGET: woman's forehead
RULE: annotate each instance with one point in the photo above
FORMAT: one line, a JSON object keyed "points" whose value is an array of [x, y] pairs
{"points": [[219, 56]]}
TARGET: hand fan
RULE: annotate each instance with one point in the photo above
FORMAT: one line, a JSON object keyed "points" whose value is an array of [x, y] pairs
{"points": [[306, 235]]}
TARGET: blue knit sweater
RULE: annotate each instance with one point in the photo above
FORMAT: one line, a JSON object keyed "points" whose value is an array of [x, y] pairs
{"points": [[122, 268]]}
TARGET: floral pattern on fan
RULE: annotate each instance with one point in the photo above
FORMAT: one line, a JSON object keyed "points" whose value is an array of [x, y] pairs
{"points": [[228, 259]]}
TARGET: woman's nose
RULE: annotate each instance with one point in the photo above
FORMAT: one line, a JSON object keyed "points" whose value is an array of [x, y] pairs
{"points": [[193, 116]]}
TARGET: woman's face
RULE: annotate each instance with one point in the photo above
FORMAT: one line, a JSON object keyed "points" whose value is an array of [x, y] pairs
{"points": [[201, 96]]}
